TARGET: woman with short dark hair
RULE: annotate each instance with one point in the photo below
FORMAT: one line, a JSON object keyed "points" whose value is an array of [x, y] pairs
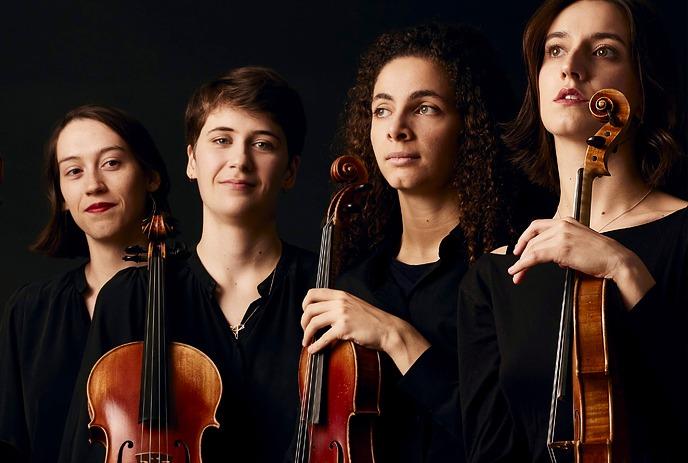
{"points": [[103, 175], [510, 305]]}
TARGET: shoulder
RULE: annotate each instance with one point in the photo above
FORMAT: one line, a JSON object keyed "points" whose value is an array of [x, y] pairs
{"points": [[48, 289]]}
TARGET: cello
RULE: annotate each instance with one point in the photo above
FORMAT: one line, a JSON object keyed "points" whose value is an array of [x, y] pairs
{"points": [[340, 386], [586, 338], [150, 401]]}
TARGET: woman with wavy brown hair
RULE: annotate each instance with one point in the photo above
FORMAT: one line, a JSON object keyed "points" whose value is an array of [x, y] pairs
{"points": [[423, 116], [510, 305]]}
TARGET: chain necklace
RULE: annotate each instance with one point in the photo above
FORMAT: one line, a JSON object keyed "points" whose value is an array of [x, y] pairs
{"points": [[236, 328], [620, 215]]}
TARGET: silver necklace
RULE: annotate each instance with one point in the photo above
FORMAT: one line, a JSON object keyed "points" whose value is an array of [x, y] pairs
{"points": [[622, 214], [236, 328]]}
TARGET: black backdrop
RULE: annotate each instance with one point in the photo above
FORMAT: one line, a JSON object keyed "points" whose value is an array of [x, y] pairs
{"points": [[147, 57]]}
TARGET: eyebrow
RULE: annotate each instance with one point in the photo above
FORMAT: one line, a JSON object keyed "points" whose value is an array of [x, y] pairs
{"points": [[414, 96], [595, 36], [99, 153], [255, 132]]}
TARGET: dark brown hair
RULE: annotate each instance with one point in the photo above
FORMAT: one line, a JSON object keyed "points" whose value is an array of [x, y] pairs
{"points": [[254, 89], [482, 99], [61, 237], [657, 138]]}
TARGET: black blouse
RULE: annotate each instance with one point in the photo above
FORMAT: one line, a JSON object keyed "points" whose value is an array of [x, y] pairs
{"points": [[507, 344], [420, 420], [42, 336], [259, 407]]}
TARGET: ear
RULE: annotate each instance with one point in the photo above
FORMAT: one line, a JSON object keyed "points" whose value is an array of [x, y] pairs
{"points": [[191, 163], [153, 182], [290, 173]]}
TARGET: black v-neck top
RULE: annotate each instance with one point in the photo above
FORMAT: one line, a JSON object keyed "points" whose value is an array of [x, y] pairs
{"points": [[507, 344], [420, 419], [259, 407], [42, 336]]}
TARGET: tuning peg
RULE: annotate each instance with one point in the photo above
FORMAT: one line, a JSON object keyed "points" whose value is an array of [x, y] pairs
{"points": [[134, 258], [596, 141], [134, 249]]}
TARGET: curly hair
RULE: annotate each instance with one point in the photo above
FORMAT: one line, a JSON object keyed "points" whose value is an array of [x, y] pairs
{"points": [[482, 98], [659, 135]]}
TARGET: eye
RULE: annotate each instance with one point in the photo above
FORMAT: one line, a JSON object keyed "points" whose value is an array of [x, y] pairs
{"points": [[112, 163], [605, 52], [427, 110], [554, 51], [264, 145], [74, 171], [222, 141], [381, 112]]}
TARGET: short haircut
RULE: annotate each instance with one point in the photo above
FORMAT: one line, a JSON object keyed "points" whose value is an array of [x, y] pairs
{"points": [[61, 237], [254, 89]]}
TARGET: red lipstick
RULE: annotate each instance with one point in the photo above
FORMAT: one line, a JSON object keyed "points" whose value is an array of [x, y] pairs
{"points": [[100, 207]]}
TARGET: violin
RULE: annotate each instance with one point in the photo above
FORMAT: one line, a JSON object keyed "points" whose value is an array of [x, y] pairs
{"points": [[340, 386], [150, 401], [585, 333]]}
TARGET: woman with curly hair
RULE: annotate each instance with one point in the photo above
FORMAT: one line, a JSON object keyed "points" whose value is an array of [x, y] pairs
{"points": [[510, 305], [422, 115]]}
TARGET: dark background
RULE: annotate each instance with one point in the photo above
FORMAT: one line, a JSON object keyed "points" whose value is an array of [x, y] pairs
{"points": [[148, 57]]}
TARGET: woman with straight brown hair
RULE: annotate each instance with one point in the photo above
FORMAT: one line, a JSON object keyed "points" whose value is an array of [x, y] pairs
{"points": [[103, 173], [510, 305]]}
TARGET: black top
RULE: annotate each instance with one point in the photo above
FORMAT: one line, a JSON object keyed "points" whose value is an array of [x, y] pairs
{"points": [[42, 336], [259, 407], [508, 335], [420, 421]]}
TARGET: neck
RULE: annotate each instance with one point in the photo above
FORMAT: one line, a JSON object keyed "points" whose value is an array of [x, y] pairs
{"points": [[230, 250], [105, 260], [426, 221], [611, 195]]}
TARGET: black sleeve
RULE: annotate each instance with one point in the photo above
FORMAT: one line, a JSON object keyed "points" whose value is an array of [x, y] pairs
{"points": [[489, 432], [435, 388], [13, 427]]}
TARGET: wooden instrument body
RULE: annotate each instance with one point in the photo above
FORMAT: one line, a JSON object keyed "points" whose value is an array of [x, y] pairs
{"points": [[348, 405], [600, 424], [194, 380], [340, 385]]}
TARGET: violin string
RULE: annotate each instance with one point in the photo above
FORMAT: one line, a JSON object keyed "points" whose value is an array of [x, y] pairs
{"points": [[145, 358], [164, 357]]}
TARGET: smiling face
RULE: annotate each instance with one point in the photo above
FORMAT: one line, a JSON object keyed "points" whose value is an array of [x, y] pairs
{"points": [[103, 186], [241, 163], [588, 48], [415, 125]]}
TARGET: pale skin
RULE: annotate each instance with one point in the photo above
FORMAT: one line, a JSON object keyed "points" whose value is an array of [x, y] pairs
{"points": [[241, 164], [104, 189], [588, 48], [414, 133]]}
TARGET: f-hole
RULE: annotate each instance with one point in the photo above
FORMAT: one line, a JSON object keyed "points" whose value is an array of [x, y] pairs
{"points": [[129, 444], [187, 452]]}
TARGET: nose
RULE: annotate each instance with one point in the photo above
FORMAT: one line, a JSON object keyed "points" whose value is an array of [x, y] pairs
{"points": [[95, 183], [573, 66], [399, 129], [240, 157]]}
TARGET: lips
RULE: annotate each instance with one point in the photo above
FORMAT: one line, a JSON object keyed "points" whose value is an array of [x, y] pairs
{"points": [[238, 184], [100, 207], [570, 96], [401, 158]]}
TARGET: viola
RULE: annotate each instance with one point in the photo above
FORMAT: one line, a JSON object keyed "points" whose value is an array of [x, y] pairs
{"points": [[150, 401], [585, 332], [340, 386]]}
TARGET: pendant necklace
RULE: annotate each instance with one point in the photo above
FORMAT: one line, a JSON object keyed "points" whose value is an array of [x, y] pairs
{"points": [[236, 328]]}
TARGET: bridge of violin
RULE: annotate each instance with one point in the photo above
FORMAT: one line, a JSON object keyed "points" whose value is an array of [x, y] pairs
{"points": [[153, 457]]}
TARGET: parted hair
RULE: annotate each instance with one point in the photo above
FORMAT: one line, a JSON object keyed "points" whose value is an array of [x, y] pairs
{"points": [[482, 98], [253, 89], [61, 237], [658, 137]]}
